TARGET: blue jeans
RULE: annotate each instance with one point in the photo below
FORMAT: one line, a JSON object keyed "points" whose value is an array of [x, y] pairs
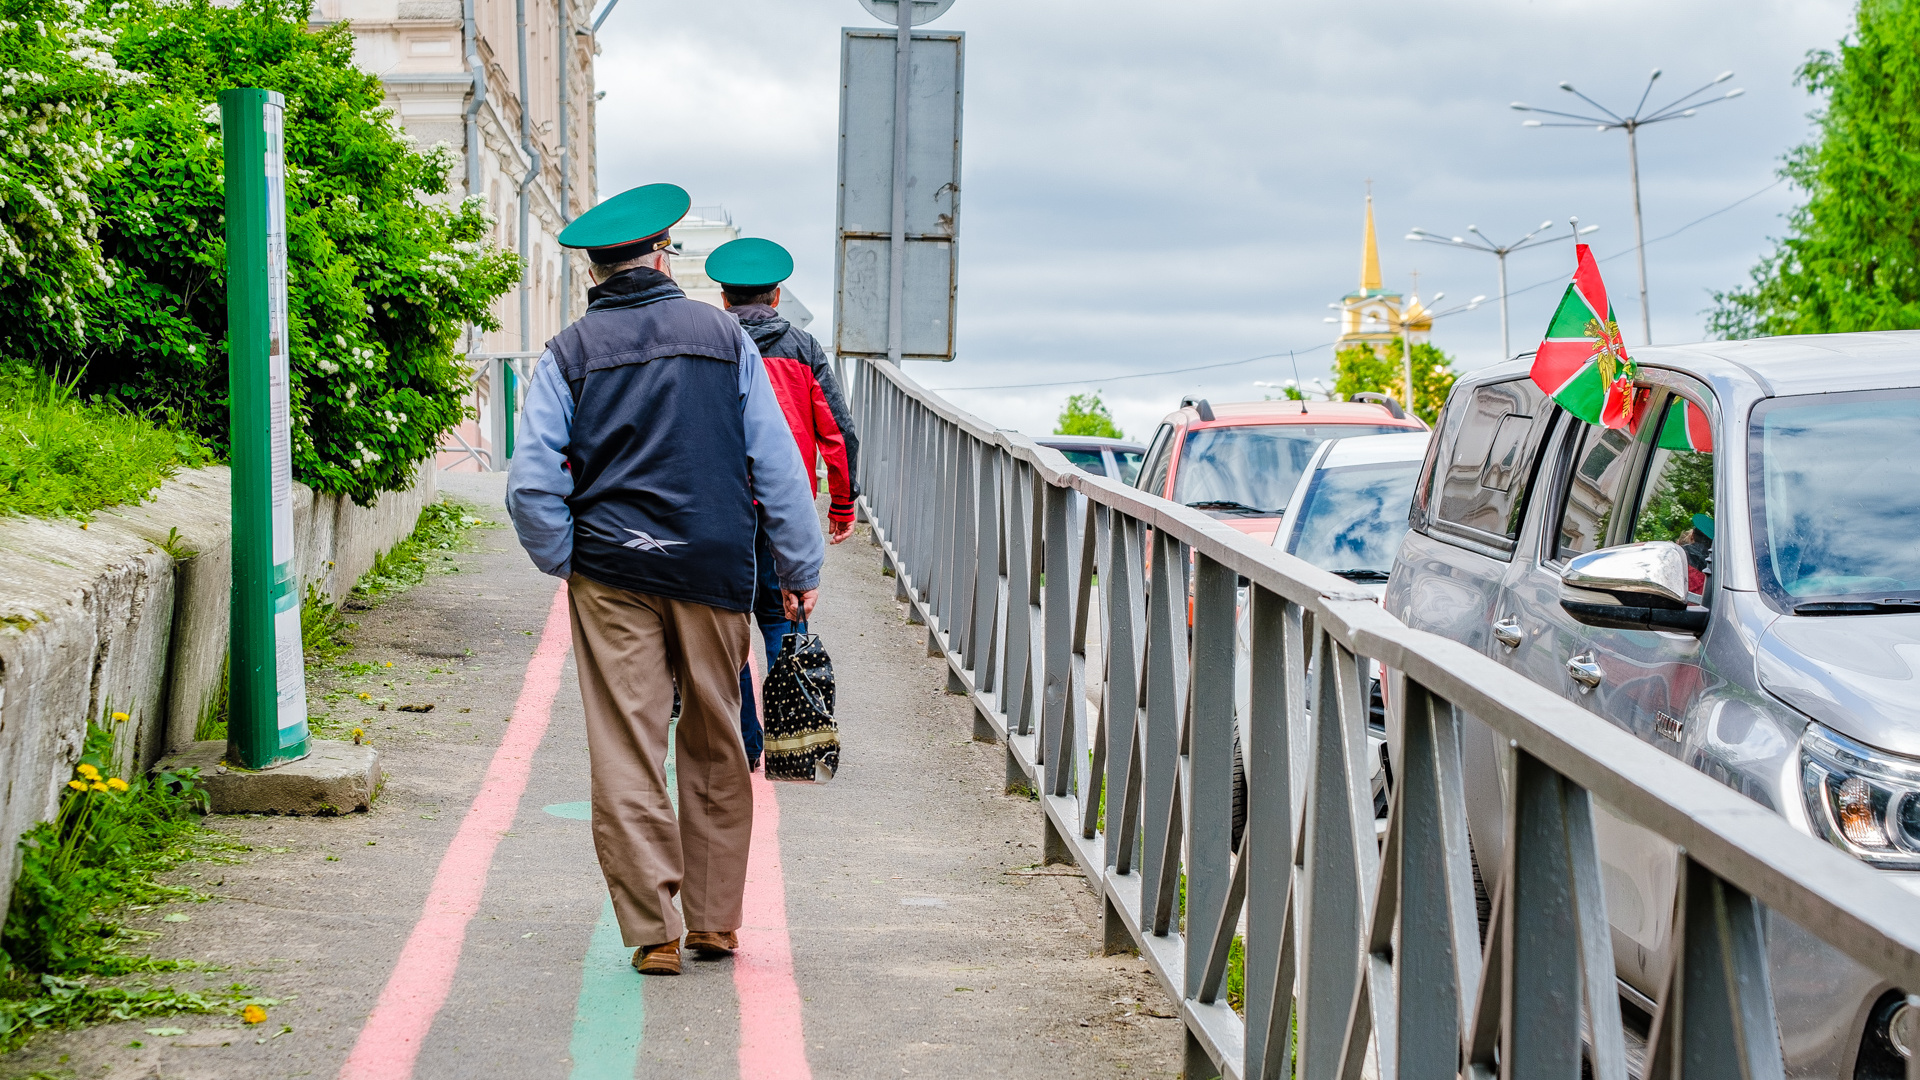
{"points": [[750, 731]]}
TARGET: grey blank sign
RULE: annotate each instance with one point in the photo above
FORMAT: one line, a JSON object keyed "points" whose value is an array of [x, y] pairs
{"points": [[862, 263]]}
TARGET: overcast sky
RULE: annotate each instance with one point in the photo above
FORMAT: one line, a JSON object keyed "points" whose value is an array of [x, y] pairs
{"points": [[1151, 186]]}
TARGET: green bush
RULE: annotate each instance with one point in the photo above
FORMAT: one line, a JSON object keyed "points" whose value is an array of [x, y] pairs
{"points": [[61, 456], [1361, 367], [384, 271], [1086, 414]]}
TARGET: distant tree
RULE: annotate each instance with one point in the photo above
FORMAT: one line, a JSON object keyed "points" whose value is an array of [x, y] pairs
{"points": [[1086, 414], [1851, 257], [1361, 368]]}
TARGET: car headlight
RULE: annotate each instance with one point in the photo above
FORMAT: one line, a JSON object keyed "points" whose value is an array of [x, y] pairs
{"points": [[1864, 801]]}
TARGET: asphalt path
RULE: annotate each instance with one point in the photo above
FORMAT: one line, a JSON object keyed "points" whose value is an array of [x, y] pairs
{"points": [[898, 922]]}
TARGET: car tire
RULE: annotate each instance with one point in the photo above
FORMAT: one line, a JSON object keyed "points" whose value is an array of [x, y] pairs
{"points": [[1239, 795]]}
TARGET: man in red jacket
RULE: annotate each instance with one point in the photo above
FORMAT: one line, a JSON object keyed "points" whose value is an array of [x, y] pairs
{"points": [[749, 272]]}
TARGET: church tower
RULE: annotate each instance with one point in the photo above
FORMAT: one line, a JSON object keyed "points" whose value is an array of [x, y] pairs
{"points": [[1371, 313]]}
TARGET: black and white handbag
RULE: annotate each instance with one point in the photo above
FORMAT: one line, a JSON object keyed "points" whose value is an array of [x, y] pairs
{"points": [[802, 741]]}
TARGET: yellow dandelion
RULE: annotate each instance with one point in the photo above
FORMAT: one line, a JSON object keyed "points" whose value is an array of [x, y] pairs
{"points": [[357, 736], [117, 784], [364, 696], [253, 1014], [88, 771], [97, 786], [389, 663], [119, 718], [77, 785]]}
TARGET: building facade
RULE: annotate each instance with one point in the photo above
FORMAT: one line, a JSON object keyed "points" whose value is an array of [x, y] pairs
{"points": [[509, 85]]}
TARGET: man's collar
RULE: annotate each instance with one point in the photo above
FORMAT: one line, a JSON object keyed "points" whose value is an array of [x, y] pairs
{"points": [[632, 288], [754, 313]]}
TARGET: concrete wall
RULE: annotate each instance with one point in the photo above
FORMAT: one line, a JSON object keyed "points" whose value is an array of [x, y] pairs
{"points": [[100, 618]]}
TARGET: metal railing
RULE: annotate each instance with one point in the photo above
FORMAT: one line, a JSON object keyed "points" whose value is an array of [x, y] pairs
{"points": [[1361, 953]]}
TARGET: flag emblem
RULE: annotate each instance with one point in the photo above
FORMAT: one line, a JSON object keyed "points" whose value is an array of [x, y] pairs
{"points": [[1582, 362]]}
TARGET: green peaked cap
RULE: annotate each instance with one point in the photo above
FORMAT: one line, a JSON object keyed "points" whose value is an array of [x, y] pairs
{"points": [[634, 214], [750, 262]]}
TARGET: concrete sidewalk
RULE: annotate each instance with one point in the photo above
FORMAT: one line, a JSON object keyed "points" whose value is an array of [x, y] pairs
{"points": [[924, 939]]}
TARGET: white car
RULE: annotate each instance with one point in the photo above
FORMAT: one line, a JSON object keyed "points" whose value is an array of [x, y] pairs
{"points": [[1347, 515]]}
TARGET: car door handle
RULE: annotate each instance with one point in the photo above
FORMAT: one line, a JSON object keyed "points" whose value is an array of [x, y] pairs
{"points": [[1507, 632], [1584, 670]]}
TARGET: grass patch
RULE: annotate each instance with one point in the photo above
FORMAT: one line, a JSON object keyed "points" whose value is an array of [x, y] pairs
{"points": [[66, 957], [442, 530], [1237, 975], [64, 456]]}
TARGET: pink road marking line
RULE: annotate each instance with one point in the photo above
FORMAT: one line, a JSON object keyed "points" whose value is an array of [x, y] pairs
{"points": [[391, 1040], [772, 1046]]}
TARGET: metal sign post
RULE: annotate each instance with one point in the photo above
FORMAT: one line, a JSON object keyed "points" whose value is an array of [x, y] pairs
{"points": [[267, 683], [899, 198]]}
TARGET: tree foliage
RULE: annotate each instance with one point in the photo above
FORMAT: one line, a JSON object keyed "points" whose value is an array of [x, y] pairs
{"points": [[1086, 414], [129, 285], [1851, 259], [1361, 368]]}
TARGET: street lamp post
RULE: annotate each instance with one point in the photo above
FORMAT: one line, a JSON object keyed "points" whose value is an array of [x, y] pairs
{"points": [[1481, 242], [1678, 109]]}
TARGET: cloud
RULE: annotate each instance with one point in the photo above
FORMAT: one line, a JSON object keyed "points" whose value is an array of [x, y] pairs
{"points": [[1150, 186]]}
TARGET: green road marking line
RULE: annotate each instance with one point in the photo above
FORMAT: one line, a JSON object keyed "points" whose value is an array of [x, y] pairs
{"points": [[610, 1017], [608, 1021]]}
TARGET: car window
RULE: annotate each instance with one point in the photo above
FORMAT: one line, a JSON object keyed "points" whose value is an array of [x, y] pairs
{"points": [[1595, 485], [1090, 460], [1129, 463], [1352, 519], [1483, 485], [1836, 501], [1676, 502], [1253, 467], [1153, 476]]}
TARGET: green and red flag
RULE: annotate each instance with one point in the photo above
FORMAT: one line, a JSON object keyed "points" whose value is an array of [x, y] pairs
{"points": [[1685, 428], [1582, 362]]}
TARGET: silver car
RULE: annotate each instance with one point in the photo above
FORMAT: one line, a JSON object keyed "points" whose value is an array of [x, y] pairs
{"points": [[1735, 581]]}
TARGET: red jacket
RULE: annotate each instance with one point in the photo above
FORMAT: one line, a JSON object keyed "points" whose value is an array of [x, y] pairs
{"points": [[805, 406]]}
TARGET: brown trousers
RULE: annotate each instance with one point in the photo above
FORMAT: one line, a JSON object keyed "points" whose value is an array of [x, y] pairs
{"points": [[630, 648]]}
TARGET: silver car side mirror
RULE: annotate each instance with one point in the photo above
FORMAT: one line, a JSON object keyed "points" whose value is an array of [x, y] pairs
{"points": [[1647, 584], [1656, 570]]}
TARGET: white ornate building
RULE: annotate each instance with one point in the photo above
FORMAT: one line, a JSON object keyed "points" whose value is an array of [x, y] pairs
{"points": [[509, 85]]}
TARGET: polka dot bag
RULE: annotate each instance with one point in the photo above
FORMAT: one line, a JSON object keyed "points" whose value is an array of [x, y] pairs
{"points": [[802, 741]]}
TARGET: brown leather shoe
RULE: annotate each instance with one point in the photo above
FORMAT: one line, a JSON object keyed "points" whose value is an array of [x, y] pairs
{"points": [[713, 942], [662, 959]]}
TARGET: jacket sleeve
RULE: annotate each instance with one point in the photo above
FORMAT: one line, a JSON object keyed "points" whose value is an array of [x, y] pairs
{"points": [[837, 404], [833, 447], [780, 483], [538, 483]]}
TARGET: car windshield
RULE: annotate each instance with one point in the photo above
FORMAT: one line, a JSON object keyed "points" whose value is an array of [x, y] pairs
{"points": [[1353, 518], [1253, 469], [1836, 493]]}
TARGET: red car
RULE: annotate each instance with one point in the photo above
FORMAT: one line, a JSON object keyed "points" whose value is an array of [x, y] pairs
{"points": [[1240, 462]]}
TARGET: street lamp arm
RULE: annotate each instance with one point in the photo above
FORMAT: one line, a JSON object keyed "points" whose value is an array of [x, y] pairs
{"points": [[1448, 241], [1681, 102], [1585, 121], [1568, 87], [1669, 114]]}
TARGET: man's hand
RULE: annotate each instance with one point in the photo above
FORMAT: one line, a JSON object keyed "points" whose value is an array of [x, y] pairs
{"points": [[838, 531], [799, 604]]}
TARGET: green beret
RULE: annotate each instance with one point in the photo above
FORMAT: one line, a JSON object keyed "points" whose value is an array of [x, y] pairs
{"points": [[631, 224], [750, 263]]}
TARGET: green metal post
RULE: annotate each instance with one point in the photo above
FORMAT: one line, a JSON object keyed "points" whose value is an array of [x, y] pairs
{"points": [[267, 710], [510, 393]]}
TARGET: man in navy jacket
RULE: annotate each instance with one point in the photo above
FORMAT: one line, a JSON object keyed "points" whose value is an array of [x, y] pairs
{"points": [[649, 432]]}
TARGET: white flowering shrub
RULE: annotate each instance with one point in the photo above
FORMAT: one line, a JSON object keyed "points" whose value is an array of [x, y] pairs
{"points": [[114, 249]]}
